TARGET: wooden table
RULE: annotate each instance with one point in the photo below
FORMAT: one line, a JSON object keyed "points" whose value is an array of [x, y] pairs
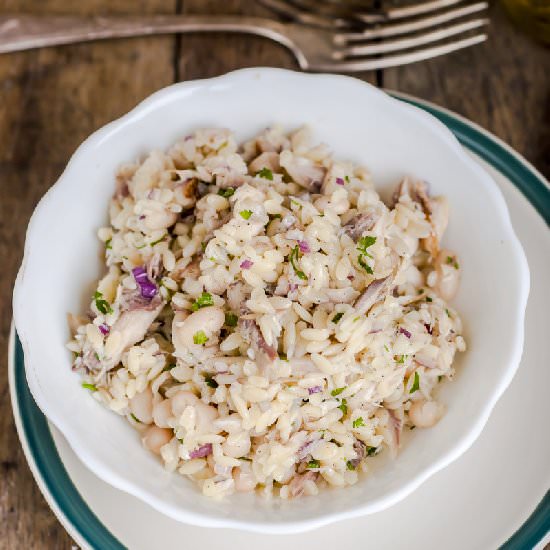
{"points": [[50, 100]]}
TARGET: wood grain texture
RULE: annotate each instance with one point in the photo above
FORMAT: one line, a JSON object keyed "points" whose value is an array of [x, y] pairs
{"points": [[50, 100], [502, 85]]}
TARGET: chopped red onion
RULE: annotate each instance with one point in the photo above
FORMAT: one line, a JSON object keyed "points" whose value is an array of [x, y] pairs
{"points": [[104, 329], [339, 181], [304, 247], [147, 287], [292, 287], [202, 451], [142, 217], [351, 277], [314, 389], [428, 328], [405, 332], [246, 264]]}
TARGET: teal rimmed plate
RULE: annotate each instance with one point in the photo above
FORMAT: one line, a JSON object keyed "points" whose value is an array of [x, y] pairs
{"points": [[498, 488]]}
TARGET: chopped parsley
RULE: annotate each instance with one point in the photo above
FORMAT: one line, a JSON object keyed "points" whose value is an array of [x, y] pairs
{"points": [[344, 406], [313, 464], [283, 357], [363, 244], [245, 214], [158, 240], [296, 203], [231, 319], [200, 337], [101, 304], [428, 299], [135, 417], [371, 451], [210, 382], [350, 465], [203, 246], [452, 261], [228, 192], [399, 359], [447, 312], [439, 378], [108, 244], [169, 367], [275, 217], [337, 317], [346, 177], [90, 387], [386, 348], [204, 300], [265, 173], [337, 391], [416, 383], [295, 255], [358, 422]]}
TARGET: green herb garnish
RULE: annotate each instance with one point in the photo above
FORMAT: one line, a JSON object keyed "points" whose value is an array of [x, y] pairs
{"points": [[200, 337], [245, 214], [363, 244], [439, 378], [416, 383], [295, 255], [448, 313], [204, 300], [169, 367], [358, 422], [371, 451], [313, 464], [90, 387], [452, 261], [283, 357], [231, 319], [158, 240], [386, 348], [135, 417], [228, 192], [108, 244], [428, 299], [399, 359], [296, 203], [265, 173], [210, 382], [344, 406], [346, 177], [349, 465], [337, 391], [337, 317], [101, 304]]}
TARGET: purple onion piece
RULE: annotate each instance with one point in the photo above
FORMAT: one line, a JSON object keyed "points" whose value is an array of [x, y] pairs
{"points": [[292, 287], [339, 181], [428, 328], [304, 247], [314, 389], [202, 451], [246, 264], [104, 329], [405, 332], [142, 217], [147, 287]]}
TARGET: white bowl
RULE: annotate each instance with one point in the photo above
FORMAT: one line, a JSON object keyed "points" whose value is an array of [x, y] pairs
{"points": [[358, 122]]}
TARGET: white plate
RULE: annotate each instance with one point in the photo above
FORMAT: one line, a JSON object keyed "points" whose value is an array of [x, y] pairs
{"points": [[477, 502]]}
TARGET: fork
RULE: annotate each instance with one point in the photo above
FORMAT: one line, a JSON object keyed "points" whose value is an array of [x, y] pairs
{"points": [[315, 49]]}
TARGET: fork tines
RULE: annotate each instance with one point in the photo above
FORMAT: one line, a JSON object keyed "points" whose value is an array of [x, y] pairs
{"points": [[427, 29]]}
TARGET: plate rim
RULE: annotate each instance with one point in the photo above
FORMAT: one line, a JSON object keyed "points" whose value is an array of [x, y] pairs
{"points": [[91, 533]]}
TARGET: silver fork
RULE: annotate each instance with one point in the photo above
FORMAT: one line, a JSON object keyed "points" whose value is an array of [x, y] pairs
{"points": [[315, 49]]}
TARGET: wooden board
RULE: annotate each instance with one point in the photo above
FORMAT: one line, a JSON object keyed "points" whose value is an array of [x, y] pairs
{"points": [[50, 100]]}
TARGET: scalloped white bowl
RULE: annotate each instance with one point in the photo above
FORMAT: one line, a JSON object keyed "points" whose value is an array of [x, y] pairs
{"points": [[358, 122]]}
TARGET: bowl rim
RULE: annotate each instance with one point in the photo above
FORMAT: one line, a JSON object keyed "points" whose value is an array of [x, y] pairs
{"points": [[104, 471]]}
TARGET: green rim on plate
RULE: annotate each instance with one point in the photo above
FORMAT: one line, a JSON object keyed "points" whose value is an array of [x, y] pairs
{"points": [[42, 447]]}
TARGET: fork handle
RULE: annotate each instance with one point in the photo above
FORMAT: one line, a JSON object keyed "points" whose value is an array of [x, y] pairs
{"points": [[25, 32]]}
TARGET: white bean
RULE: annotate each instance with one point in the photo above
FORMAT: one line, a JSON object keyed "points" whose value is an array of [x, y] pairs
{"points": [[162, 412], [141, 406], [245, 480], [448, 275], [425, 414], [236, 445], [181, 400], [209, 320], [155, 438], [205, 417]]}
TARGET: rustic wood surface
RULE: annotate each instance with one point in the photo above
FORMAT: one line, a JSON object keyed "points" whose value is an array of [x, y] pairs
{"points": [[51, 99]]}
